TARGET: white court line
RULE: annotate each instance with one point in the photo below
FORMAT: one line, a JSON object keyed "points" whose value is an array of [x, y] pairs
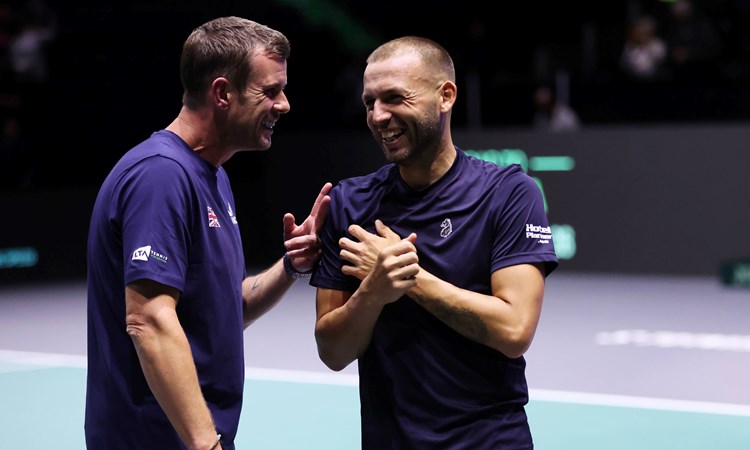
{"points": [[675, 339], [335, 378], [627, 401], [294, 376], [42, 359]]}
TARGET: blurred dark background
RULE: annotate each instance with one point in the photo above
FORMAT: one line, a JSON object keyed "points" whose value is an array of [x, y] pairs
{"points": [[111, 67], [81, 82]]}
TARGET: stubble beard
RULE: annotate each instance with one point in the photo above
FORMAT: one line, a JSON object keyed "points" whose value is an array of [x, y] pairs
{"points": [[427, 138]]}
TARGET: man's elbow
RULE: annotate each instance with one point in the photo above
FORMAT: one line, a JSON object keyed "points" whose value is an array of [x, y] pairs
{"points": [[515, 343], [330, 354], [332, 362], [137, 326], [514, 351]]}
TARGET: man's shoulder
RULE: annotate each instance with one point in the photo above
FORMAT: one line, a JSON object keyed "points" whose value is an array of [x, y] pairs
{"points": [[368, 182], [162, 148], [160, 143], [482, 170], [152, 161]]}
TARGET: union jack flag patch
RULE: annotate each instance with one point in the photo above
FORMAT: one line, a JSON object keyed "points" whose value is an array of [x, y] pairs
{"points": [[213, 220]]}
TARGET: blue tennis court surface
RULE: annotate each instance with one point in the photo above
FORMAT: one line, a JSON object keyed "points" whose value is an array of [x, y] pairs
{"points": [[42, 408]]}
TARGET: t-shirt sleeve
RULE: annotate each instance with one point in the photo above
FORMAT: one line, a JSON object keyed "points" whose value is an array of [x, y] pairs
{"points": [[155, 202], [523, 232], [328, 271]]}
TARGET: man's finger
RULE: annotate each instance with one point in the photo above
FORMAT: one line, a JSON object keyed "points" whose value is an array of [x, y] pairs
{"points": [[288, 223], [321, 214], [384, 230], [359, 232], [320, 200]]}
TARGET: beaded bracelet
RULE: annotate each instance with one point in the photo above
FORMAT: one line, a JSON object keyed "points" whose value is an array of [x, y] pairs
{"points": [[292, 272]]}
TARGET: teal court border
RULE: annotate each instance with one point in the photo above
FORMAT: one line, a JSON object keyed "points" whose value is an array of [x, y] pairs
{"points": [[42, 408]]}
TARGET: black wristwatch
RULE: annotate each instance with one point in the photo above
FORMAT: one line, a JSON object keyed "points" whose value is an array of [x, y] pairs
{"points": [[292, 272]]}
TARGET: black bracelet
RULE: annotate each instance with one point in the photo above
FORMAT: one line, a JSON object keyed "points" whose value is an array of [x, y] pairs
{"points": [[292, 272]]}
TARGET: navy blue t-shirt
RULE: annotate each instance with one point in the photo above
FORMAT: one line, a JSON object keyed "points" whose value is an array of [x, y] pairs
{"points": [[165, 214], [422, 384]]}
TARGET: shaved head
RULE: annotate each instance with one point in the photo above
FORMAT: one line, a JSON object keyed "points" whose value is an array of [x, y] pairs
{"points": [[429, 52]]}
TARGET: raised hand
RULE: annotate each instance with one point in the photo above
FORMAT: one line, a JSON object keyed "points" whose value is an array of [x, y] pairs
{"points": [[301, 241]]}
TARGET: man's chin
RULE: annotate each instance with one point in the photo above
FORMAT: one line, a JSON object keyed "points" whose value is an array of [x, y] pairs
{"points": [[257, 147], [263, 144], [396, 156]]}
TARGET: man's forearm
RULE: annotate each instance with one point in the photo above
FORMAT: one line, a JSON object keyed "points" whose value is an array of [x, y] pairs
{"points": [[169, 369], [261, 292]]}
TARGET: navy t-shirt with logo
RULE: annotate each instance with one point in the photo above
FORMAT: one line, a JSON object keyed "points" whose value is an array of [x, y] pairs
{"points": [[163, 214], [423, 385]]}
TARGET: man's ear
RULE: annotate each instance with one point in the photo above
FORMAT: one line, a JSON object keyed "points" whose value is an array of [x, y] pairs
{"points": [[220, 93], [448, 93]]}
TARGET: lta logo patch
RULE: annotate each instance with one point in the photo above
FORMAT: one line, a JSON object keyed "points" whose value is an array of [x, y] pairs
{"points": [[145, 252], [141, 254]]}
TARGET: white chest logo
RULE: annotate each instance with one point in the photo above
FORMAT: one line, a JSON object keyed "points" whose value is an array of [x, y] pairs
{"points": [[231, 214], [446, 228]]}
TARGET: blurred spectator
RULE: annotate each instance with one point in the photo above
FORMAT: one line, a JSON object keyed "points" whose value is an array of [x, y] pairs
{"points": [[694, 42], [644, 55], [27, 93], [28, 49], [552, 114]]}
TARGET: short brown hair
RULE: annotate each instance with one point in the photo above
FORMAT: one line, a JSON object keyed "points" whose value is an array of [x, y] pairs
{"points": [[221, 48]]}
